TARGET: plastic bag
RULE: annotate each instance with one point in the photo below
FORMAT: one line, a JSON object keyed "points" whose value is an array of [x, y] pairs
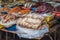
{"points": [[30, 33]]}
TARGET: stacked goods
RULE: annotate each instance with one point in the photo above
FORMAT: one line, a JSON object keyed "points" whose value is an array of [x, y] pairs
{"points": [[46, 9], [7, 20], [43, 7], [31, 26], [14, 11], [33, 21], [17, 11], [29, 23], [4, 8], [25, 11]]}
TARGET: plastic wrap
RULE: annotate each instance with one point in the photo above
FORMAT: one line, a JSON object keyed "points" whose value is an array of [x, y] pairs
{"points": [[30, 33], [36, 27]]}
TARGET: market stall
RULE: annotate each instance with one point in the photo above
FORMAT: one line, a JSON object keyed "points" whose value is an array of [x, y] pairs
{"points": [[29, 19]]}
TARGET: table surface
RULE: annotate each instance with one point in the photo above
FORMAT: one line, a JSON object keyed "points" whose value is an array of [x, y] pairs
{"points": [[14, 32]]}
